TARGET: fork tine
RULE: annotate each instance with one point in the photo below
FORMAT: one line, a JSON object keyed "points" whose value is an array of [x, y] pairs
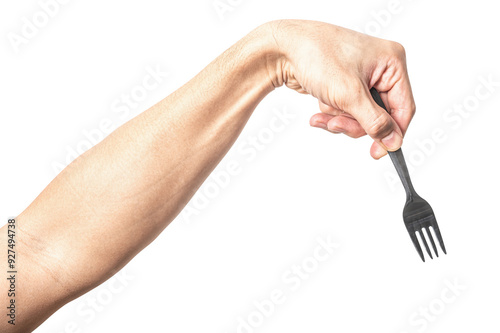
{"points": [[432, 241], [438, 234], [425, 243], [440, 238], [414, 239]]}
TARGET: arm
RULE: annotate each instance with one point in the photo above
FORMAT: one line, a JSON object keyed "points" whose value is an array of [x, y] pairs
{"points": [[117, 197]]}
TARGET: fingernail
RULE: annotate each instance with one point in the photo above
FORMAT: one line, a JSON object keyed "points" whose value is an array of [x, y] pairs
{"points": [[336, 130], [393, 141], [320, 125]]}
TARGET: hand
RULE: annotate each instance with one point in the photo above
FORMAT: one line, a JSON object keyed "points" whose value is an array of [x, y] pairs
{"points": [[338, 66]]}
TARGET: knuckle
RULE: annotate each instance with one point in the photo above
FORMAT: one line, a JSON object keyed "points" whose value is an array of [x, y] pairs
{"points": [[380, 126], [399, 49], [413, 108]]}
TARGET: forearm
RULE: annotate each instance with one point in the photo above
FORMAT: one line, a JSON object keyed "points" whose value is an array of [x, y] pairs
{"points": [[116, 198]]}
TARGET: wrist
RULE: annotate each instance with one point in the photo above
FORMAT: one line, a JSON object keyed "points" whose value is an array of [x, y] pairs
{"points": [[269, 56]]}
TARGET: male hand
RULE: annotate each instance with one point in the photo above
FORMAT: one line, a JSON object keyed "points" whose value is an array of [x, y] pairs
{"points": [[338, 66]]}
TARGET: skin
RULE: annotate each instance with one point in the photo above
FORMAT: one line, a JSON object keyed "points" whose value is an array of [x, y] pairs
{"points": [[119, 196]]}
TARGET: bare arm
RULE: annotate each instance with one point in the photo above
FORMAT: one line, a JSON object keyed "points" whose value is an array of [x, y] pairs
{"points": [[112, 201]]}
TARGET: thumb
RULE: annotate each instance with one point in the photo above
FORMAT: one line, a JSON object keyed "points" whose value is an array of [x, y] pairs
{"points": [[377, 122]]}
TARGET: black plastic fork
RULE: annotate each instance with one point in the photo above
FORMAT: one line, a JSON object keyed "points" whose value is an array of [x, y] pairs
{"points": [[417, 213]]}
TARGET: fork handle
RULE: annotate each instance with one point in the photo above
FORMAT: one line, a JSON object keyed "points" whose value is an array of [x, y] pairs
{"points": [[397, 156]]}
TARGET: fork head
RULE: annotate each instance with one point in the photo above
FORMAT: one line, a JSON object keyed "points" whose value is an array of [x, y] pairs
{"points": [[418, 216]]}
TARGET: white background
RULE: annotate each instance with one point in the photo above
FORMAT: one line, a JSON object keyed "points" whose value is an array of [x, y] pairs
{"points": [[207, 271]]}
